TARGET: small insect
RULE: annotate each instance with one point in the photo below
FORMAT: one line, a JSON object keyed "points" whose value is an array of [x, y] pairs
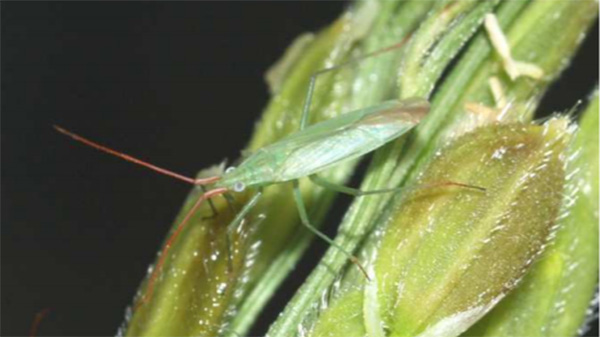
{"points": [[305, 153]]}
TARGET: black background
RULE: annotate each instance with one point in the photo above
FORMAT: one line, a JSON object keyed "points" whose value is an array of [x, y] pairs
{"points": [[177, 83]]}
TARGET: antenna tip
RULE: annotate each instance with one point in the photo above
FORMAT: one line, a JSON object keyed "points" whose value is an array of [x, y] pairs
{"points": [[360, 266], [59, 128]]}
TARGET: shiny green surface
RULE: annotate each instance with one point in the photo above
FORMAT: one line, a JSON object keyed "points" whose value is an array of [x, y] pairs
{"points": [[212, 299], [327, 143], [543, 32], [554, 298], [448, 254], [191, 299]]}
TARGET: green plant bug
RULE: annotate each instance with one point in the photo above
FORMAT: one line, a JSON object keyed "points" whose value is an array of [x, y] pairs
{"points": [[305, 153]]}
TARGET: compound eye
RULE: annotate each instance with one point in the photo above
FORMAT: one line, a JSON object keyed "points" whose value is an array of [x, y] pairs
{"points": [[239, 187], [229, 169]]}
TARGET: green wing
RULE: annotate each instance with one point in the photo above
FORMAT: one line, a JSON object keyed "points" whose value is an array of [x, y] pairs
{"points": [[343, 138], [327, 143]]}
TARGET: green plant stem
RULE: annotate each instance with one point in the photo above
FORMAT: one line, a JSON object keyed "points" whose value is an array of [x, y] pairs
{"points": [[541, 44], [554, 298], [357, 222]]}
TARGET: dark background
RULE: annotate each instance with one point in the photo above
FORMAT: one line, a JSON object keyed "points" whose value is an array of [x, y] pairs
{"points": [[177, 83]]}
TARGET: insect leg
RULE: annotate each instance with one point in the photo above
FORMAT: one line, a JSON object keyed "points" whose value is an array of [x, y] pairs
{"points": [[210, 203], [230, 202], [357, 192], [306, 222], [164, 252], [313, 77], [240, 216], [237, 222]]}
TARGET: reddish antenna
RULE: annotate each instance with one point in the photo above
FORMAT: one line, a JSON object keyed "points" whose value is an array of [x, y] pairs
{"points": [[163, 254], [199, 181], [39, 317]]}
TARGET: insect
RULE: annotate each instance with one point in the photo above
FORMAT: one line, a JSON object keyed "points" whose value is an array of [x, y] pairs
{"points": [[312, 149], [301, 154]]}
